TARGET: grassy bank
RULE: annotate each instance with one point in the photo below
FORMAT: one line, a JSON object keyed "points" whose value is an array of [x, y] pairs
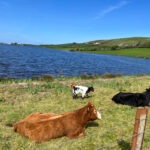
{"points": [[132, 52], [20, 98], [134, 46]]}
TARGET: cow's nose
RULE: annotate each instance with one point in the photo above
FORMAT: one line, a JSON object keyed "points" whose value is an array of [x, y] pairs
{"points": [[99, 116]]}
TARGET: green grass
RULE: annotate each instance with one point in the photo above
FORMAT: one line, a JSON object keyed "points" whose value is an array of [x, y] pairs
{"points": [[134, 46], [21, 98], [133, 52]]}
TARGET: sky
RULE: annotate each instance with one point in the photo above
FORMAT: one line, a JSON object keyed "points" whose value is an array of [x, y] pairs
{"points": [[67, 21]]}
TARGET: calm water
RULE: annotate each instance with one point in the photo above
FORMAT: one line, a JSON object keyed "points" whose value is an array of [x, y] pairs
{"points": [[25, 62]]}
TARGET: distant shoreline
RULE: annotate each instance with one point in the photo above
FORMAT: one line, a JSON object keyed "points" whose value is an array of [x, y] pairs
{"points": [[133, 46], [129, 52], [50, 78]]}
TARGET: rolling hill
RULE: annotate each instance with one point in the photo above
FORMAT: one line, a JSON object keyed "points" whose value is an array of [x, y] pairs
{"points": [[112, 44]]}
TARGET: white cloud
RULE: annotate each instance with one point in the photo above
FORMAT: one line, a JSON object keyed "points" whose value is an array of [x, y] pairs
{"points": [[111, 9]]}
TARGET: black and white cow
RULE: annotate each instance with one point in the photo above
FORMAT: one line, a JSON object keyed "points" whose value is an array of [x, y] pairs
{"points": [[83, 90]]}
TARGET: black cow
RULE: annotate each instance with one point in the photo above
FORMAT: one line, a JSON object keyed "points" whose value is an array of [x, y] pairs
{"points": [[133, 99]]}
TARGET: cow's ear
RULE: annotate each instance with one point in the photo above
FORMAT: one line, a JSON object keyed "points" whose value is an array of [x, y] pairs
{"points": [[88, 109], [90, 105]]}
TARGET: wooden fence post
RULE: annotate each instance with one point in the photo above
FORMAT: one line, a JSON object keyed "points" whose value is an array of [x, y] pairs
{"points": [[139, 128]]}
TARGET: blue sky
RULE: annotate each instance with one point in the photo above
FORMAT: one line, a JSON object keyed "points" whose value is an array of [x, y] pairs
{"points": [[66, 21]]}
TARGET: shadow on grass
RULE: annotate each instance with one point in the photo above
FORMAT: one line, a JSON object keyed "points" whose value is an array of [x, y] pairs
{"points": [[124, 145], [80, 97], [92, 124]]}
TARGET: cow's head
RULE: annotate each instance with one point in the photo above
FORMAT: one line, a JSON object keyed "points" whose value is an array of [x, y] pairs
{"points": [[91, 89], [92, 113], [117, 99]]}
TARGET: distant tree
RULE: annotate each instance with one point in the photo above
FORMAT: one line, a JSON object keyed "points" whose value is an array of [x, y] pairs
{"points": [[15, 43]]}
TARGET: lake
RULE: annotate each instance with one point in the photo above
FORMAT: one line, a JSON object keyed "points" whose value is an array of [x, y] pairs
{"points": [[30, 61]]}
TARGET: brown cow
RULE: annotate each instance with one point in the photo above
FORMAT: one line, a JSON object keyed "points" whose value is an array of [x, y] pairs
{"points": [[34, 117], [70, 124]]}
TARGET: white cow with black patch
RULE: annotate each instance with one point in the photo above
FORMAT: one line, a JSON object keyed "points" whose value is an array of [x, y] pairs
{"points": [[83, 90]]}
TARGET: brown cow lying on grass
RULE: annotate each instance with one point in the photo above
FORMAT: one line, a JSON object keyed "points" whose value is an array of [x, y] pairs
{"points": [[35, 117], [42, 127]]}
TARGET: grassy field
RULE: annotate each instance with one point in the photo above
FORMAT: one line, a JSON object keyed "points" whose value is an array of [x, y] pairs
{"points": [[133, 52], [21, 98], [134, 46]]}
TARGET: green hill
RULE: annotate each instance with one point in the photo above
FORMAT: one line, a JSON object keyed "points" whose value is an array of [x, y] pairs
{"points": [[113, 44], [133, 46], [124, 42]]}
